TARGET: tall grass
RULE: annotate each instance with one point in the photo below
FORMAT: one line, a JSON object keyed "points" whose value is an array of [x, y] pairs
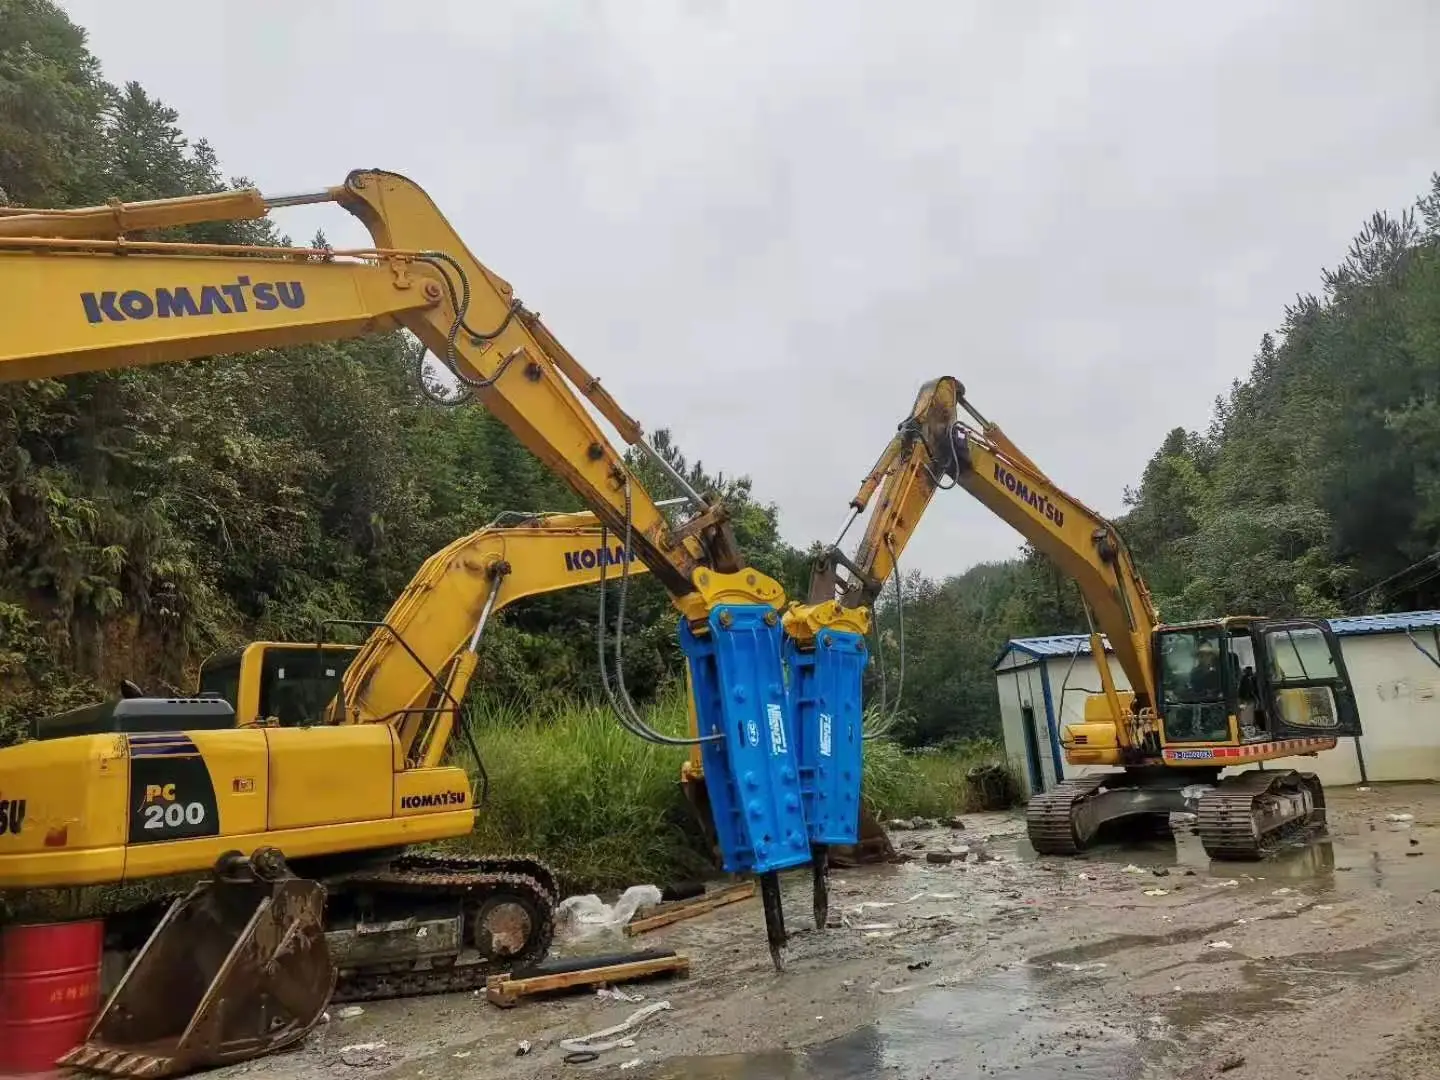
{"points": [[605, 809], [932, 783], [602, 806]]}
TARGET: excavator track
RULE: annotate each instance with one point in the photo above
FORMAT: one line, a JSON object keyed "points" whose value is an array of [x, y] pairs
{"points": [[1050, 817], [1246, 817], [473, 881]]}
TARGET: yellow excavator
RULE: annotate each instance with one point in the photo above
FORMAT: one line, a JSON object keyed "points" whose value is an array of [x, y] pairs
{"points": [[411, 675], [1203, 696], [84, 290]]}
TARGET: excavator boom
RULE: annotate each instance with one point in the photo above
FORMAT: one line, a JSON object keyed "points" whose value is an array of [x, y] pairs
{"points": [[1081, 542], [111, 303]]}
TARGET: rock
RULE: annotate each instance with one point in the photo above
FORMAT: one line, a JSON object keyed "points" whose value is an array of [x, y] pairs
{"points": [[956, 822], [939, 858], [1234, 1061], [900, 824], [1160, 871]]}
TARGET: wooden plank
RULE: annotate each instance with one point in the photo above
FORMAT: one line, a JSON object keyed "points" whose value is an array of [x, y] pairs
{"points": [[504, 991], [688, 909]]}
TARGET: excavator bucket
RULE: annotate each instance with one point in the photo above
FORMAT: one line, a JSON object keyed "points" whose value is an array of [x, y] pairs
{"points": [[237, 969]]}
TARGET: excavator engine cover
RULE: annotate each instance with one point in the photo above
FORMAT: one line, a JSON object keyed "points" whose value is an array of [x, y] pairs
{"points": [[238, 968]]}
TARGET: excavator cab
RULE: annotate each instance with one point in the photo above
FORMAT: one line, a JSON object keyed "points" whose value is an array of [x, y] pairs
{"points": [[1241, 681], [288, 681]]}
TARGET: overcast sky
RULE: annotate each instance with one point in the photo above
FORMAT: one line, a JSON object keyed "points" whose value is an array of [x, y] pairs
{"points": [[765, 223]]}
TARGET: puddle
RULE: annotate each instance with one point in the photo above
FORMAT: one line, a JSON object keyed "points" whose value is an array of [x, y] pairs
{"points": [[1277, 984], [995, 1025]]}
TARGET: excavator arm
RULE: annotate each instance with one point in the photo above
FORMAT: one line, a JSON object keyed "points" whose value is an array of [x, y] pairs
{"points": [[416, 666], [916, 463]]}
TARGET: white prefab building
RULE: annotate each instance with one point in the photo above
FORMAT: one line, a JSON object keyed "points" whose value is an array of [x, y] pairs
{"points": [[1393, 662]]}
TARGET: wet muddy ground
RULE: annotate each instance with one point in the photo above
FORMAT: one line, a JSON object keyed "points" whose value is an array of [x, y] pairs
{"points": [[1151, 962]]}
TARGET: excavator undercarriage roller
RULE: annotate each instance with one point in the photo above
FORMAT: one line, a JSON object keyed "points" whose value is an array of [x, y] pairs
{"points": [[238, 968], [1242, 817], [426, 924], [1251, 815]]}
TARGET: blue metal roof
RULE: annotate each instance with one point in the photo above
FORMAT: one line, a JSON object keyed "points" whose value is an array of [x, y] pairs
{"points": [[1042, 648], [1385, 624]]}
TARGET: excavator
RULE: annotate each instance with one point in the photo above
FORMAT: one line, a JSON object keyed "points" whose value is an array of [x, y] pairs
{"points": [[84, 290], [1203, 696], [412, 672]]}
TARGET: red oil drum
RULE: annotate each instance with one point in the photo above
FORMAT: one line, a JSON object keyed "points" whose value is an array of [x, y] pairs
{"points": [[49, 991]]}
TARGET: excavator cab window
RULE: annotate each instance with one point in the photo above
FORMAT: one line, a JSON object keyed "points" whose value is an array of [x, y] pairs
{"points": [[297, 683], [1304, 680], [1194, 683]]}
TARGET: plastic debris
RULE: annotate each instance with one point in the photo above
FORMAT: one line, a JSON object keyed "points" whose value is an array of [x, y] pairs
{"points": [[1157, 892], [1398, 818], [1218, 945], [614, 993], [587, 916], [598, 1041], [1131, 869], [349, 1012], [633, 1063], [1282, 892], [1093, 966], [523, 1048]]}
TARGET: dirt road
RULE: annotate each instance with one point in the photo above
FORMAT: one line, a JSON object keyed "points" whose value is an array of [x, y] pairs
{"points": [[1322, 963]]}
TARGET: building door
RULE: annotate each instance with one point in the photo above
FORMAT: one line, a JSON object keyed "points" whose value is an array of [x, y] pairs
{"points": [[1032, 749]]}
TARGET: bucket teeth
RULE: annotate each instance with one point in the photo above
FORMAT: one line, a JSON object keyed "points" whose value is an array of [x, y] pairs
{"points": [[111, 1062]]}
